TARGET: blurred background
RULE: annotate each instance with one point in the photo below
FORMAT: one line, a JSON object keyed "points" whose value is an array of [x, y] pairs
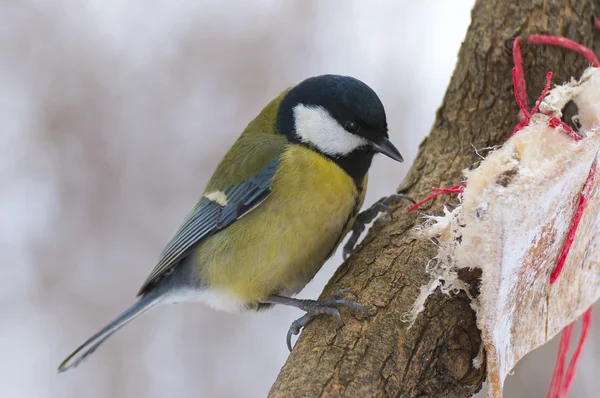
{"points": [[114, 114]]}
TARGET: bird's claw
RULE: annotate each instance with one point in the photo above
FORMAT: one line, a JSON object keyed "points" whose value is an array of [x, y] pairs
{"points": [[341, 293], [383, 208], [295, 328], [352, 241], [329, 307], [367, 216]]}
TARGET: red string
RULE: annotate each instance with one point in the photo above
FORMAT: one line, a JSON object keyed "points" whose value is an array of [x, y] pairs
{"points": [[585, 328], [565, 43], [519, 76], [536, 108], [583, 199], [437, 192], [561, 359], [556, 122], [521, 99], [520, 93], [597, 24], [561, 381]]}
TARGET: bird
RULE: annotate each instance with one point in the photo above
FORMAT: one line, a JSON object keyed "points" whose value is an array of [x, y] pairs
{"points": [[277, 206]]}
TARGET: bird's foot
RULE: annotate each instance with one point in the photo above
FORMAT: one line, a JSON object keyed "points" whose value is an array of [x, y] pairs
{"points": [[329, 307], [367, 216], [315, 308]]}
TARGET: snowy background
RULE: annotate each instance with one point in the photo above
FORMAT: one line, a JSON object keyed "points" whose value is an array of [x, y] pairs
{"points": [[114, 113]]}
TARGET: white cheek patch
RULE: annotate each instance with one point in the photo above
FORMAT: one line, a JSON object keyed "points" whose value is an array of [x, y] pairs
{"points": [[315, 126]]}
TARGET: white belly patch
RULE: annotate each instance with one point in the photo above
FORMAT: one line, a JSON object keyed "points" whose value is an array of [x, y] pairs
{"points": [[219, 299]]}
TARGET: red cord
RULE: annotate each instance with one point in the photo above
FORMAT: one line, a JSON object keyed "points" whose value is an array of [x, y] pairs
{"points": [[583, 199], [561, 381], [585, 328], [521, 99], [565, 43], [556, 122], [519, 76], [561, 359], [437, 192], [536, 108]]}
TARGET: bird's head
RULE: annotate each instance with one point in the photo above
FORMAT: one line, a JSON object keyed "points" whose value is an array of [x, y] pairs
{"points": [[340, 117]]}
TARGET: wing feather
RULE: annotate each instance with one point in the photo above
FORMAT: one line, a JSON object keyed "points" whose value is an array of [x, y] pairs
{"points": [[209, 217]]}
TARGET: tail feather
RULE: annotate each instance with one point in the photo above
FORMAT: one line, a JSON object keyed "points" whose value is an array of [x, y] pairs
{"points": [[142, 305]]}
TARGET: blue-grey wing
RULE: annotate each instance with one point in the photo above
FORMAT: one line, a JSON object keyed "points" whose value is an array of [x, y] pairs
{"points": [[212, 215]]}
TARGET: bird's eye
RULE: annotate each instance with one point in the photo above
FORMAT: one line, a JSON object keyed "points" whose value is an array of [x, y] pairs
{"points": [[351, 126]]}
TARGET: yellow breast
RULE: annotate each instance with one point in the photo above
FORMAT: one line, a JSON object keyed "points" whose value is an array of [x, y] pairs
{"points": [[278, 247]]}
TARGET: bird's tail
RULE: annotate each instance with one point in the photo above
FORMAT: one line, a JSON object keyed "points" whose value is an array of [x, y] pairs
{"points": [[142, 305]]}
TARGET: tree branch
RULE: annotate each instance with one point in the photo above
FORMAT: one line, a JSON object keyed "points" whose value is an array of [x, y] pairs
{"points": [[381, 356]]}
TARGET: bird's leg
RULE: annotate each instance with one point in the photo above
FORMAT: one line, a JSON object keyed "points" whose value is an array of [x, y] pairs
{"points": [[315, 308], [367, 216]]}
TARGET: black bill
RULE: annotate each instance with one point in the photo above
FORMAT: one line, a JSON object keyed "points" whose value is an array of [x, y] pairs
{"points": [[388, 149]]}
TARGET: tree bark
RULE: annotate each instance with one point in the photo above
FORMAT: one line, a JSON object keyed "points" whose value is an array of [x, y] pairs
{"points": [[381, 356]]}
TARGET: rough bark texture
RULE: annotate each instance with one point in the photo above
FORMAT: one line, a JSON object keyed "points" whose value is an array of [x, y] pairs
{"points": [[381, 356]]}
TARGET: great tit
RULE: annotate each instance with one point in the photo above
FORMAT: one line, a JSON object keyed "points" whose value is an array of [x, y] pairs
{"points": [[277, 206]]}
